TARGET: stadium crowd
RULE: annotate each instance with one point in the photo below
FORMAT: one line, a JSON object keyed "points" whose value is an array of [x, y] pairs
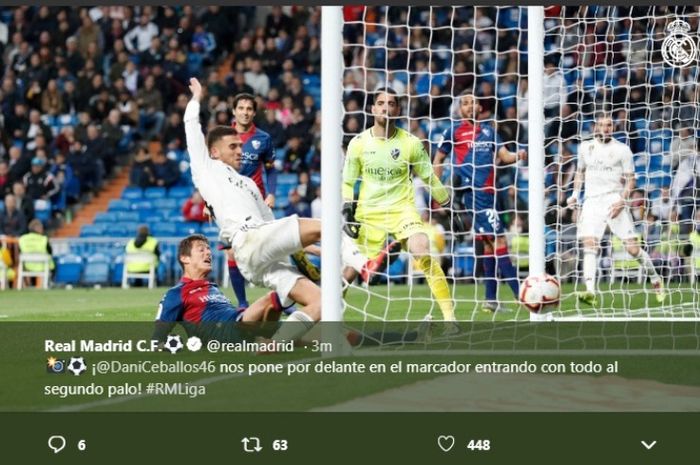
{"points": [[596, 59], [87, 90]]}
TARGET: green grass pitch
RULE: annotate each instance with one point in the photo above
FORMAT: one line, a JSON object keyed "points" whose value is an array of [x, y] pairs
{"points": [[394, 302]]}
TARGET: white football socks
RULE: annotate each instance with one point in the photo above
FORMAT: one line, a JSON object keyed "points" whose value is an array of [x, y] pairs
{"points": [[295, 326], [589, 268]]}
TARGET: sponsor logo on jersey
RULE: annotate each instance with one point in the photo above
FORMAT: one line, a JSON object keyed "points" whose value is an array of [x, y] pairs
{"points": [[384, 173], [247, 157]]}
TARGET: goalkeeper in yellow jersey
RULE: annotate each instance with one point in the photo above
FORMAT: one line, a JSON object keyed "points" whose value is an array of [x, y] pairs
{"points": [[385, 157]]}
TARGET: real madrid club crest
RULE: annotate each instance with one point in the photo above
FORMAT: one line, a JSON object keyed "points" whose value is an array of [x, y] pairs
{"points": [[395, 152], [679, 49]]}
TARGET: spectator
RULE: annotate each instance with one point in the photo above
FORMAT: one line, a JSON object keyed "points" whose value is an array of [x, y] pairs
{"points": [[24, 202], [36, 127], [143, 243], [305, 188], [98, 150], [66, 181], [51, 100], [296, 206], [113, 134], [195, 209], [5, 184], [150, 102], [138, 39], [274, 128], [257, 79], [39, 182], [19, 164], [84, 167], [142, 169], [13, 222], [165, 171], [174, 132]]}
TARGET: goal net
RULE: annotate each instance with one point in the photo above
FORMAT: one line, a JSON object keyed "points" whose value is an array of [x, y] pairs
{"points": [[596, 59]]}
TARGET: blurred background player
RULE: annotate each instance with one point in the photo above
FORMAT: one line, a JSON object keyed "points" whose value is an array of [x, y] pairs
{"points": [[606, 171], [385, 157], [476, 148], [258, 153]]}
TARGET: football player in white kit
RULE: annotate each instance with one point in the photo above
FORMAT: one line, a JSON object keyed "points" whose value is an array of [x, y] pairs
{"points": [[260, 243], [606, 169]]}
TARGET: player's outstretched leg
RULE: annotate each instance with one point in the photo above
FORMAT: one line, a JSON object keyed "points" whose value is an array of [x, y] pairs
{"points": [[308, 296], [644, 260], [590, 257], [370, 271], [508, 272], [237, 281], [488, 263], [419, 246]]}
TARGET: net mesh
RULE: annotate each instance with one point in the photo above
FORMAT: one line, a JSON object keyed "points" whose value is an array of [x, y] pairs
{"points": [[596, 58]]}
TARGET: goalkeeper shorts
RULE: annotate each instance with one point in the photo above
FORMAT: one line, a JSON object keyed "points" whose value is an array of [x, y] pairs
{"points": [[376, 227]]}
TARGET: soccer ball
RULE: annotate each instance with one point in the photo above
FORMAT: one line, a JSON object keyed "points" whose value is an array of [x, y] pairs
{"points": [[538, 293], [173, 344], [77, 365]]}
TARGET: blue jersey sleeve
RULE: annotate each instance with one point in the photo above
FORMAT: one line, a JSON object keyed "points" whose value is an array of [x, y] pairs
{"points": [[498, 143], [170, 307], [445, 145], [269, 164]]}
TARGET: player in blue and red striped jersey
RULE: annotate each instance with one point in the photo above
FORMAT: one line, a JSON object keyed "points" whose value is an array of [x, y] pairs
{"points": [[258, 156], [196, 301], [476, 148]]}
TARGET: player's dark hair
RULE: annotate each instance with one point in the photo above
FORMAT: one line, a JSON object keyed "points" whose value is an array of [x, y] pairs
{"points": [[185, 247], [217, 133], [245, 96], [386, 90]]}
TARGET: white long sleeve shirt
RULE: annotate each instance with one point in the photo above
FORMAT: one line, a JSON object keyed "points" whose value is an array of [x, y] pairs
{"points": [[235, 199]]}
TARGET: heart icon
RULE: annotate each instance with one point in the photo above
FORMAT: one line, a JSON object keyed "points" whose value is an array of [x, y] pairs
{"points": [[446, 443]]}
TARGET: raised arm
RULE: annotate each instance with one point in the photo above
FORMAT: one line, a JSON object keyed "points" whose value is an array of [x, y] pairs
{"points": [[196, 144]]}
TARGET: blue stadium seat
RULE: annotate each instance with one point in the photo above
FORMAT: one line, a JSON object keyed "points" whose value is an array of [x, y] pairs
{"points": [[128, 216], [42, 210], [180, 192], [132, 193], [68, 269], [97, 269], [154, 193], [187, 228], [117, 269], [106, 217], [92, 230], [142, 205], [131, 227], [119, 205], [210, 230], [115, 230], [163, 203], [164, 230]]}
